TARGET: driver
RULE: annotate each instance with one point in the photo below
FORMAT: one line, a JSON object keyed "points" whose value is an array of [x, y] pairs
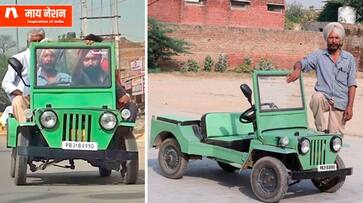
{"points": [[47, 73]]}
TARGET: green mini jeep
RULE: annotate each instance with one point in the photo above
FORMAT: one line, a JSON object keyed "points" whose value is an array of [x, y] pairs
{"points": [[271, 138], [72, 113]]}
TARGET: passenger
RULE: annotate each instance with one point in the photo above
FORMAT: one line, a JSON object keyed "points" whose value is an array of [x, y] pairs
{"points": [[15, 89], [47, 74]]}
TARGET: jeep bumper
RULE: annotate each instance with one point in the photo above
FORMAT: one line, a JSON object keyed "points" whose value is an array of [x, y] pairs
{"points": [[313, 174], [56, 153]]}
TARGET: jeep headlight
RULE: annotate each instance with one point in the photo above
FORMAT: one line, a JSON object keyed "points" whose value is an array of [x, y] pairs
{"points": [[304, 146], [108, 121], [283, 141], [126, 114], [48, 119], [336, 143]]}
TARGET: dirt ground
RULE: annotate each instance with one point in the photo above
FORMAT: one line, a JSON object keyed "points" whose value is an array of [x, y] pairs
{"points": [[195, 94]]}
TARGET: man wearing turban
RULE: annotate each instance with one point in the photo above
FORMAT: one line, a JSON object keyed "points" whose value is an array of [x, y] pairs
{"points": [[336, 81]]}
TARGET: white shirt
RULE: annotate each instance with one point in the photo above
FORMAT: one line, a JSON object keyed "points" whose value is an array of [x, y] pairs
{"points": [[11, 80]]}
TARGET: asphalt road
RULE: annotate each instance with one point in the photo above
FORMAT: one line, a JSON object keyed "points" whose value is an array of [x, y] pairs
{"points": [[65, 185], [204, 181]]}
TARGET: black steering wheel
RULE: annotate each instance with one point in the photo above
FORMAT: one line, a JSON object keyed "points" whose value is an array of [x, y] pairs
{"points": [[248, 116]]}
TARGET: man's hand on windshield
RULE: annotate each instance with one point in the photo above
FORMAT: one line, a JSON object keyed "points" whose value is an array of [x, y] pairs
{"points": [[294, 75]]}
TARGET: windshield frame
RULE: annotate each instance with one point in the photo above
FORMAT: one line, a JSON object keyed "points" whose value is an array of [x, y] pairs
{"points": [[283, 109], [49, 87]]}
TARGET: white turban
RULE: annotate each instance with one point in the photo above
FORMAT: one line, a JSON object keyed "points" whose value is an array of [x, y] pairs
{"points": [[334, 27]]}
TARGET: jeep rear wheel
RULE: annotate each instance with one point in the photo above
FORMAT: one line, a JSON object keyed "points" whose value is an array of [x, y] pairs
{"points": [[12, 162], [269, 179], [227, 167], [331, 184], [130, 168], [21, 162], [172, 161]]}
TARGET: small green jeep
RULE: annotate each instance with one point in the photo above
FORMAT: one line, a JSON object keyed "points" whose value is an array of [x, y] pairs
{"points": [[271, 138], [68, 119]]}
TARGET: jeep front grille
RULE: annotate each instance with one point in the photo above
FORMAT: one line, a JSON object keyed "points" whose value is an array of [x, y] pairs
{"points": [[317, 152], [76, 127]]}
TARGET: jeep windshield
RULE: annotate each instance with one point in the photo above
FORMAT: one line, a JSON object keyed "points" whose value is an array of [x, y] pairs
{"points": [[276, 94], [72, 68]]}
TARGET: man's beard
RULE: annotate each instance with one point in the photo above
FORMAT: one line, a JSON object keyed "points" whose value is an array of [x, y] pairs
{"points": [[334, 47]]}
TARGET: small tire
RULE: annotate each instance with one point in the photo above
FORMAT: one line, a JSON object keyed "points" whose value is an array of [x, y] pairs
{"points": [[21, 162], [331, 185], [226, 167], [104, 172], [130, 168], [12, 162], [269, 179], [172, 161]]}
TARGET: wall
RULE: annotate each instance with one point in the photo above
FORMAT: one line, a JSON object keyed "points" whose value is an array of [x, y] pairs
{"points": [[284, 48], [218, 12]]}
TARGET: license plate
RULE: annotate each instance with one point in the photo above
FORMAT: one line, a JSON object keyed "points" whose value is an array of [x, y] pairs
{"points": [[327, 167], [72, 145]]}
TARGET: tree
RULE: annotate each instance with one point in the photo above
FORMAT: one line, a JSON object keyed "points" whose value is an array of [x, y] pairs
{"points": [[294, 12], [6, 43], [160, 45], [330, 10]]}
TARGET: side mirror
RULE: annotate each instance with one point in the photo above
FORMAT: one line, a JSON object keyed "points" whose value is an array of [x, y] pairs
{"points": [[247, 92], [16, 65]]}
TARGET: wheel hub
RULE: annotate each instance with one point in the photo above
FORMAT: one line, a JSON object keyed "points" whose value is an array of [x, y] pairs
{"points": [[171, 158], [267, 179]]}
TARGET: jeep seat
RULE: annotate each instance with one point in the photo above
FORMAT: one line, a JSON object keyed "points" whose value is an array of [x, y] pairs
{"points": [[225, 130]]}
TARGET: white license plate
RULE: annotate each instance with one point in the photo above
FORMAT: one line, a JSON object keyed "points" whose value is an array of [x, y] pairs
{"points": [[327, 167], [92, 146]]}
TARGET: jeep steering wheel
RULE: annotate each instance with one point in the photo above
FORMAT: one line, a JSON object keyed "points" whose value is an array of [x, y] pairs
{"points": [[248, 116]]}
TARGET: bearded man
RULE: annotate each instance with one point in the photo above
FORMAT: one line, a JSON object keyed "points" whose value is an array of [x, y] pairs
{"points": [[336, 81]]}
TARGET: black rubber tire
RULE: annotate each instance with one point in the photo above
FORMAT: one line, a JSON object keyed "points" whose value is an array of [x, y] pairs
{"points": [[226, 167], [12, 162], [331, 184], [21, 162], [104, 172], [275, 173], [176, 171], [129, 169]]}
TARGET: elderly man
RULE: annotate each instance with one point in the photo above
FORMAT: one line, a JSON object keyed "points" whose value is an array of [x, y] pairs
{"points": [[12, 84], [336, 84]]}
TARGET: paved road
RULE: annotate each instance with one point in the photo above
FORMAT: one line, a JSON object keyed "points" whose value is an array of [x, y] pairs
{"points": [[64, 185], [204, 181]]}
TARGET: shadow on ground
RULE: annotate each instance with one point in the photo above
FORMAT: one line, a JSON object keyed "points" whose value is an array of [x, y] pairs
{"points": [[211, 171]]}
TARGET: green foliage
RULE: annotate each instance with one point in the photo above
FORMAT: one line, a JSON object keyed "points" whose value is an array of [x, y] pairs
{"points": [[208, 63], [264, 64], [6, 43], [160, 45], [294, 12], [330, 11], [190, 66], [222, 63], [246, 66], [4, 101]]}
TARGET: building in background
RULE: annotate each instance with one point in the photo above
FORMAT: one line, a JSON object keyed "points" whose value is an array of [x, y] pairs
{"points": [[233, 13]]}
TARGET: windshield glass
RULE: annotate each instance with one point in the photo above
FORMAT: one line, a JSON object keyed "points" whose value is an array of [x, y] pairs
{"points": [[70, 67], [276, 94]]}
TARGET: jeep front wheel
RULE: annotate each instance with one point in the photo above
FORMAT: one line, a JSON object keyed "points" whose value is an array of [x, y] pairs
{"points": [[172, 161], [269, 179], [331, 184], [21, 161], [130, 168]]}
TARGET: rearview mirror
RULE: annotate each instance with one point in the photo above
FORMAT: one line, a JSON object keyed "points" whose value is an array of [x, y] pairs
{"points": [[247, 92], [16, 65]]}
